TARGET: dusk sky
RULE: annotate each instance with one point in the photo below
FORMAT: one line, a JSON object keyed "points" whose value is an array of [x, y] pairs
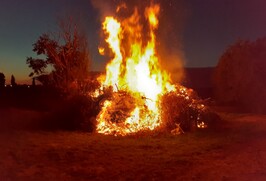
{"points": [[208, 28]]}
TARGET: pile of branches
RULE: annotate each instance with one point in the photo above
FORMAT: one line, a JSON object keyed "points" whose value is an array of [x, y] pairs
{"points": [[182, 110], [123, 103]]}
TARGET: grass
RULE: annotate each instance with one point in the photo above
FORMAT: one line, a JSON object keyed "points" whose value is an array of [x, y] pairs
{"points": [[235, 150]]}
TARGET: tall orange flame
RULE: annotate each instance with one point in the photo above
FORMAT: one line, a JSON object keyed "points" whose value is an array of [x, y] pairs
{"points": [[134, 69]]}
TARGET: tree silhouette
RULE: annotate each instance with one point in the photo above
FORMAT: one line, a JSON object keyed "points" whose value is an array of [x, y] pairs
{"points": [[2, 80], [33, 82], [13, 81], [67, 59], [240, 75]]}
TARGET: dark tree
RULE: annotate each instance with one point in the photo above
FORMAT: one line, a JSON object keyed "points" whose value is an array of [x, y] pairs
{"points": [[13, 81], [33, 82], [240, 75], [66, 61], [2, 80]]}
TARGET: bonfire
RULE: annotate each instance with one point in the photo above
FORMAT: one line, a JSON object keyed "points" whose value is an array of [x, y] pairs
{"points": [[136, 93]]}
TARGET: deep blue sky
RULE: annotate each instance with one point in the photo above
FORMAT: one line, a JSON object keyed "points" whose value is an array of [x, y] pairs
{"points": [[209, 27], [215, 24]]}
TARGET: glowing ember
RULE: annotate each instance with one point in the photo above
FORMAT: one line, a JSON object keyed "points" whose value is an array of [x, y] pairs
{"points": [[101, 50], [133, 76]]}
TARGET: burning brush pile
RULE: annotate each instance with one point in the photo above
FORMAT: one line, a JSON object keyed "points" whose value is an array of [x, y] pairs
{"points": [[136, 94]]}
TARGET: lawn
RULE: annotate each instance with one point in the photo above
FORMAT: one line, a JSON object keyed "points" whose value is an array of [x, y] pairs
{"points": [[233, 150]]}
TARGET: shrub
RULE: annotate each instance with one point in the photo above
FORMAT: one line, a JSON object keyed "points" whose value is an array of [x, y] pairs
{"points": [[75, 113], [239, 77]]}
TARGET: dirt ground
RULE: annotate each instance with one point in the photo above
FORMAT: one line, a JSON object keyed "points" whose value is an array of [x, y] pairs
{"points": [[235, 150]]}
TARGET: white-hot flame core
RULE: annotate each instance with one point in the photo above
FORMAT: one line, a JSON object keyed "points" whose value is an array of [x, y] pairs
{"points": [[113, 27]]}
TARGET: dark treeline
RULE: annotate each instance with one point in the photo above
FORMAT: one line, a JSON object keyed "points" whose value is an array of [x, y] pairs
{"points": [[54, 110], [28, 97]]}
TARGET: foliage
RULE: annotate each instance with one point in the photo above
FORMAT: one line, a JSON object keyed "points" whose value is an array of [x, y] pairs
{"points": [[13, 81], [66, 61], [240, 75], [75, 113], [33, 82], [62, 65], [2, 80]]}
